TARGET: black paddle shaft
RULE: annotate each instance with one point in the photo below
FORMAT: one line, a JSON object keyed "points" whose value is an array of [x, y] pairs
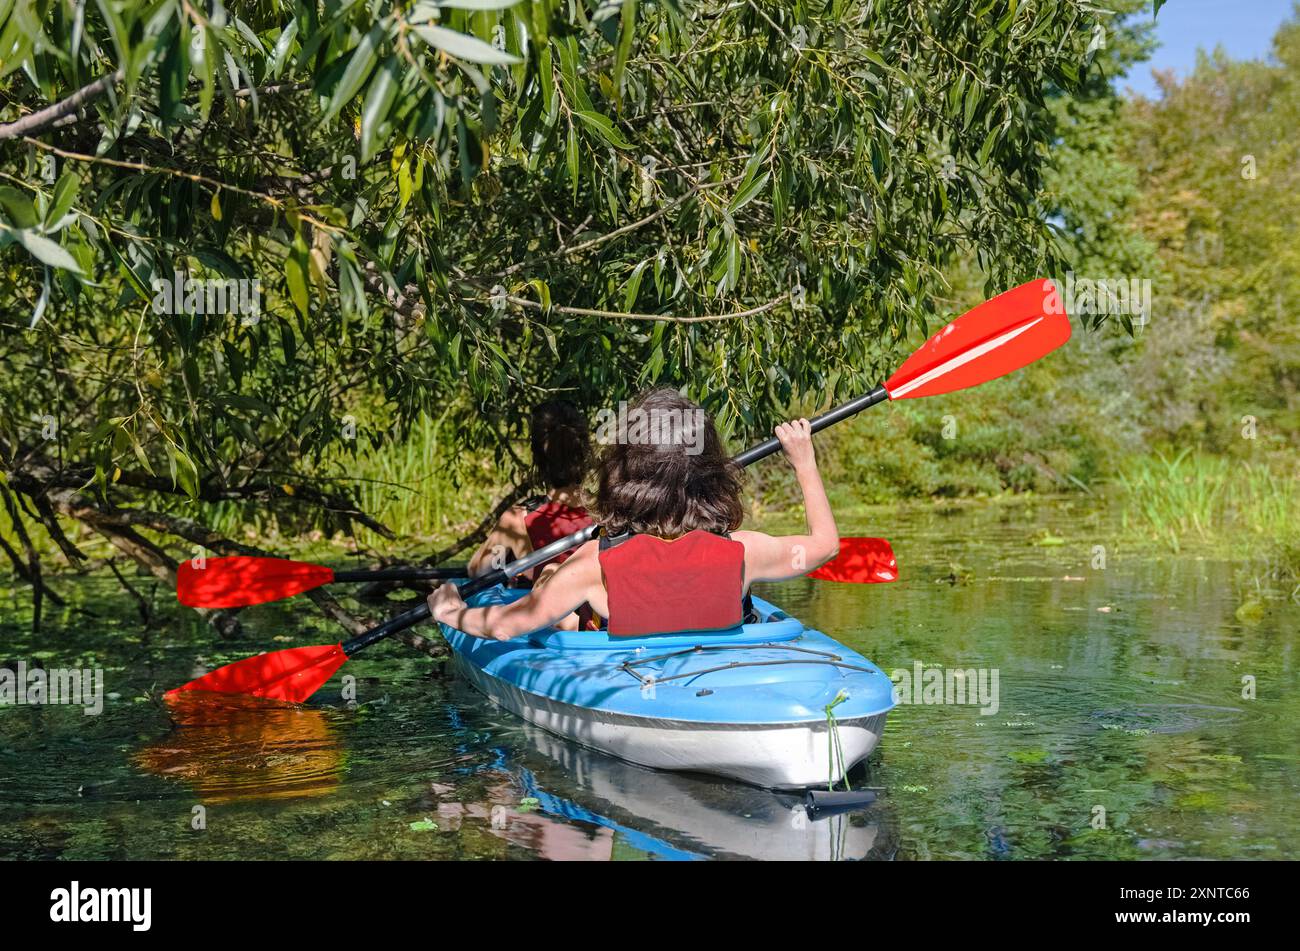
{"points": [[497, 576], [421, 611], [405, 573], [818, 423]]}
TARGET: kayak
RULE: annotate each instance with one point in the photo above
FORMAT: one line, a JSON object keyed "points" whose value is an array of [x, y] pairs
{"points": [[749, 703]]}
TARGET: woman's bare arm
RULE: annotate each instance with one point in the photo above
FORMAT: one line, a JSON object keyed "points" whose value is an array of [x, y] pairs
{"points": [[574, 583], [776, 558], [510, 534]]}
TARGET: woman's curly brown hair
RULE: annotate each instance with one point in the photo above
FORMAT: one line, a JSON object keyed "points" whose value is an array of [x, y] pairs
{"points": [[661, 486]]}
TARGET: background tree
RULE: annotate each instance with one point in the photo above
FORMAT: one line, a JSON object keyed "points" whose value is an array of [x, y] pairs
{"points": [[1219, 163]]}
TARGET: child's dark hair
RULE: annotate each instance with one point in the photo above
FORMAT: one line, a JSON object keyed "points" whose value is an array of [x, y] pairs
{"points": [[560, 443], [667, 486]]}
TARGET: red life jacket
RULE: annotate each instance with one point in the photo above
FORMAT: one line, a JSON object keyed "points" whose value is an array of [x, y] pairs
{"points": [[694, 583], [549, 521]]}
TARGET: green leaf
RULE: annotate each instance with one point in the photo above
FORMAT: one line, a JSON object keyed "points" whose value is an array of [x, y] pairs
{"points": [[733, 262], [280, 52], [245, 402], [748, 192], [989, 142], [570, 80], [781, 194], [39, 310], [973, 96], [295, 273], [358, 69], [288, 343], [405, 185], [633, 287], [624, 47], [140, 454], [128, 272], [379, 99], [468, 48], [654, 366], [18, 208], [469, 150], [184, 472], [65, 193], [543, 293], [173, 76], [603, 128], [571, 157], [208, 72], [47, 251]]}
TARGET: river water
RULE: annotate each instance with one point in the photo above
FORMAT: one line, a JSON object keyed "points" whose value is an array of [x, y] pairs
{"points": [[1137, 717]]}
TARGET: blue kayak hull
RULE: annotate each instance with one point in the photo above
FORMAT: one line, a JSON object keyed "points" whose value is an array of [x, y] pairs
{"points": [[749, 704]]}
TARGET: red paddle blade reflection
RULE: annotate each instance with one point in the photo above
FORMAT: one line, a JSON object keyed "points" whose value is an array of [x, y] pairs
{"points": [[860, 561], [242, 580], [292, 675], [228, 747]]}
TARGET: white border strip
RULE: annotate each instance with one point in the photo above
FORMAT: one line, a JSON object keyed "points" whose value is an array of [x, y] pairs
{"points": [[963, 358]]}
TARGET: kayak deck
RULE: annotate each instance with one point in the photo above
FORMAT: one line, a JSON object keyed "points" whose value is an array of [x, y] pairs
{"points": [[749, 702]]}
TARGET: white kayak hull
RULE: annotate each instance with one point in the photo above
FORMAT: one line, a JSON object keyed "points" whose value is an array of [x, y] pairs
{"points": [[772, 755]]}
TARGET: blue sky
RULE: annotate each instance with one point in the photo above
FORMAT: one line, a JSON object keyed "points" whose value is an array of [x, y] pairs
{"points": [[1245, 28]]}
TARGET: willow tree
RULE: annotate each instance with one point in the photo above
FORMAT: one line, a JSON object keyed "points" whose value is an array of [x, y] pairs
{"points": [[465, 205]]}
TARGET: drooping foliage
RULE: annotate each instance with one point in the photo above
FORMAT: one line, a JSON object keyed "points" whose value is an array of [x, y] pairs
{"points": [[454, 209]]}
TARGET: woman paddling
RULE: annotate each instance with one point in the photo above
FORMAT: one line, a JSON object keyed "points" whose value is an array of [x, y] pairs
{"points": [[670, 557], [561, 450]]}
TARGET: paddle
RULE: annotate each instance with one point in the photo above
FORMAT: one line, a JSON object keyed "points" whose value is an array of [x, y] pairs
{"points": [[241, 580], [238, 581], [999, 336], [860, 561]]}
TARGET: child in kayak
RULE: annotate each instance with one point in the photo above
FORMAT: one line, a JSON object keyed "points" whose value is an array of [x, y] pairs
{"points": [[561, 450], [670, 557]]}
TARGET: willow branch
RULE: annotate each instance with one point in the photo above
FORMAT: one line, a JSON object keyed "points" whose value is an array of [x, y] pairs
{"points": [[37, 121], [663, 318]]}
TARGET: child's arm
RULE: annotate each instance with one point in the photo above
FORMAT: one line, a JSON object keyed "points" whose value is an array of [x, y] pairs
{"points": [[775, 558], [510, 534], [567, 589]]}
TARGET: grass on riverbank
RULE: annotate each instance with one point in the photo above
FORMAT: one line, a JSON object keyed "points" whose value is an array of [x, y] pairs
{"points": [[1243, 511], [1190, 497]]}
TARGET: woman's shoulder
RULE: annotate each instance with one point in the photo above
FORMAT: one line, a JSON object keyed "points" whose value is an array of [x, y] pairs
{"points": [[514, 519], [587, 550]]}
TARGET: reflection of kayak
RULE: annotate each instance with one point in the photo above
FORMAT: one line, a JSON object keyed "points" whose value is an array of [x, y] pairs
{"points": [[675, 816], [749, 703]]}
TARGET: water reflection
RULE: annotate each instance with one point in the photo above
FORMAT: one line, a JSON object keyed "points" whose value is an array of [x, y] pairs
{"points": [[1124, 690], [678, 816], [228, 747]]}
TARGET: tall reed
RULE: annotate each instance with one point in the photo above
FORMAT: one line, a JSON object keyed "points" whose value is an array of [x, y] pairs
{"points": [[1210, 499]]}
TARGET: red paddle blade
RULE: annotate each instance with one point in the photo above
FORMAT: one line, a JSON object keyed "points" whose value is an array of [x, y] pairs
{"points": [[241, 580], [860, 561], [991, 340], [292, 675]]}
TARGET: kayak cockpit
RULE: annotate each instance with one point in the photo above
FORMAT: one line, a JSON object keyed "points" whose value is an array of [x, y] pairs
{"points": [[773, 626]]}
